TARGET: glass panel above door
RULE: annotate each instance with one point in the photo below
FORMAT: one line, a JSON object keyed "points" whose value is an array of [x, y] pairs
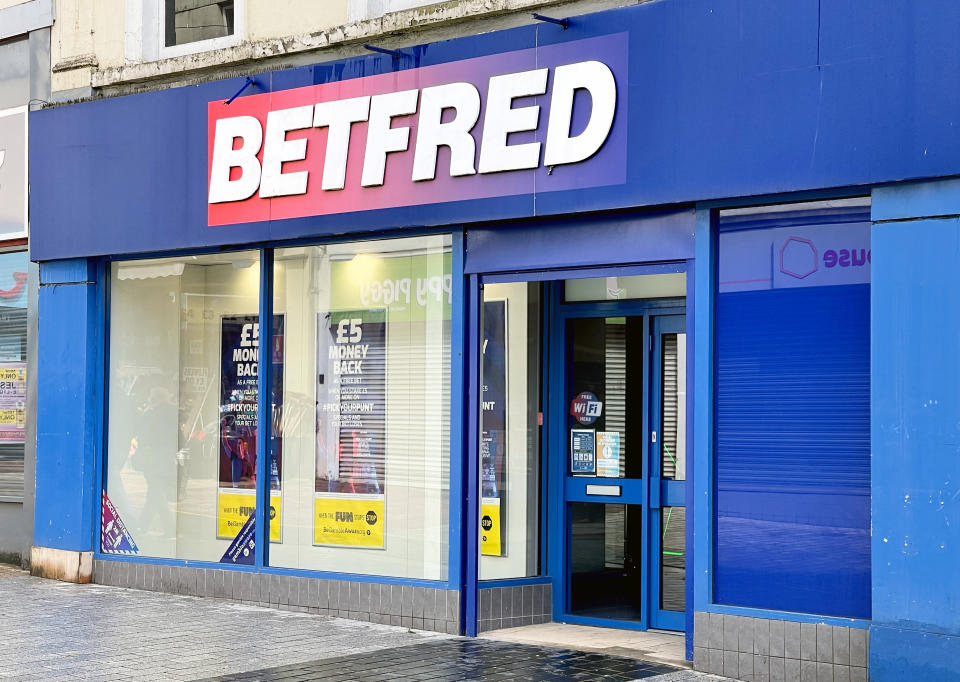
{"points": [[605, 386], [590, 289]]}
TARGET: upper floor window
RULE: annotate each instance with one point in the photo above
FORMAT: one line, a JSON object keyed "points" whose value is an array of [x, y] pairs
{"points": [[190, 21]]}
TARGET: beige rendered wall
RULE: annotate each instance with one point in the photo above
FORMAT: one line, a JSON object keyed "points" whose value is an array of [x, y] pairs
{"points": [[280, 18]]}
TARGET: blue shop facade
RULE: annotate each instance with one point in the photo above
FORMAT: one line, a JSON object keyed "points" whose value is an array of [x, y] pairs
{"points": [[645, 322]]}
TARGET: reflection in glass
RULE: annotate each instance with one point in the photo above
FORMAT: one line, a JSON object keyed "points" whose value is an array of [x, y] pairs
{"points": [[673, 404], [605, 386], [605, 560], [365, 408], [181, 451], [673, 571]]}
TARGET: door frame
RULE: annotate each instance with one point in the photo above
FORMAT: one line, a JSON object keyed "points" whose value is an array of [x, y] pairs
{"points": [[555, 453]]}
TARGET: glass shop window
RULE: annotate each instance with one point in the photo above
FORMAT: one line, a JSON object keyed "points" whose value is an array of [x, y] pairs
{"points": [[190, 21], [364, 409], [13, 372], [182, 425], [510, 440], [793, 408]]}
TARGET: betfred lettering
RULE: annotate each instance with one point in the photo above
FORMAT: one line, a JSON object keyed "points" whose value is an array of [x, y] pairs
{"points": [[239, 140]]}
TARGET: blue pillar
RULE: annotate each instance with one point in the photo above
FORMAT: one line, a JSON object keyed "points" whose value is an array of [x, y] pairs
{"points": [[915, 395], [68, 405]]}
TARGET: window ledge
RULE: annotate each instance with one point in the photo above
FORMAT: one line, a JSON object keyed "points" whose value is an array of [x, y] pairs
{"points": [[389, 24]]}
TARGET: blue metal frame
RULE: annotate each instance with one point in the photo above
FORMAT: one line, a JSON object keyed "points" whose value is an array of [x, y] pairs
{"points": [[556, 454], [471, 518], [663, 493], [458, 336], [264, 410]]}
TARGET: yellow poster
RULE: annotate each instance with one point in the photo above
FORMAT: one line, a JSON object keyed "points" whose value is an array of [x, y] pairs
{"points": [[234, 507], [490, 527], [349, 521]]}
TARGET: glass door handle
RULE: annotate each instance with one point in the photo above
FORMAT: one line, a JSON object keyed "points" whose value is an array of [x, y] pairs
{"points": [[653, 436]]}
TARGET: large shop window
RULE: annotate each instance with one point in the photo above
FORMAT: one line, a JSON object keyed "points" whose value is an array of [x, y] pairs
{"points": [[365, 407], [182, 423], [793, 409], [13, 372]]}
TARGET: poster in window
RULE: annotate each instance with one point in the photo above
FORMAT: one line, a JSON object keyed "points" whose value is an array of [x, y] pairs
{"points": [[13, 401], [239, 393], [350, 493], [493, 441]]}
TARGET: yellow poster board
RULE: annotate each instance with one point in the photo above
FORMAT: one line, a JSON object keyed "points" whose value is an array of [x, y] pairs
{"points": [[234, 507], [349, 520], [490, 527]]}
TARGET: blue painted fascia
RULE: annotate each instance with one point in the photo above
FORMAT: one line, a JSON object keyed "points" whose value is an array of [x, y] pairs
{"points": [[913, 200]]}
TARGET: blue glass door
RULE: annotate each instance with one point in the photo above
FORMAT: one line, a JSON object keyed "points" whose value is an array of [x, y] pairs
{"points": [[617, 376]]}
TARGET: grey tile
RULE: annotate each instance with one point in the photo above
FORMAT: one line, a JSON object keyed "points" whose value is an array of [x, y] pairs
{"points": [[354, 603], [715, 640], [714, 661], [496, 610], [364, 604], [484, 596], [745, 637], [701, 621], [746, 667], [824, 672], [430, 603], [761, 668], [731, 664], [858, 674], [841, 673], [506, 600], [273, 594], [761, 636], [824, 643], [418, 604], [344, 589], [808, 642], [538, 599], [517, 596], [406, 621], [731, 633], [394, 620], [841, 646], [417, 622], [323, 594], [776, 638], [430, 624], [333, 594], [396, 600], [548, 600], [791, 640], [858, 648], [701, 657], [808, 671], [406, 604], [791, 669], [776, 669], [453, 606], [526, 600], [453, 627]]}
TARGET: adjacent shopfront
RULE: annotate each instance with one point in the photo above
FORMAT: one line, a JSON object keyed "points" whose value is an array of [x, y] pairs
{"points": [[571, 324]]}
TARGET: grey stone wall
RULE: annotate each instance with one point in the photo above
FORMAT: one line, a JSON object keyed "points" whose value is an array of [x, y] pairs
{"points": [[421, 608], [511, 607], [767, 650]]}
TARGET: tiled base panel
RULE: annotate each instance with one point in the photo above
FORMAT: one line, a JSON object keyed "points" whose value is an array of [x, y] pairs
{"points": [[421, 608], [511, 607], [766, 650]]}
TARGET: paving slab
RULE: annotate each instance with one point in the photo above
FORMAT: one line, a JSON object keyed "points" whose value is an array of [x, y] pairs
{"points": [[62, 631]]}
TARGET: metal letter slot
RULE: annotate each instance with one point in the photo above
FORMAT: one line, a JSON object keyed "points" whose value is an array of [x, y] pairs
{"points": [[608, 490]]}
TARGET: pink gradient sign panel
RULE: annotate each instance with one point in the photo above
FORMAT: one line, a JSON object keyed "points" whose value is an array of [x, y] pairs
{"points": [[605, 166]]}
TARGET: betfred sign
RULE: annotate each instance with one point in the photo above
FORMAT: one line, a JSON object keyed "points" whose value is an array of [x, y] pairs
{"points": [[538, 120]]}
